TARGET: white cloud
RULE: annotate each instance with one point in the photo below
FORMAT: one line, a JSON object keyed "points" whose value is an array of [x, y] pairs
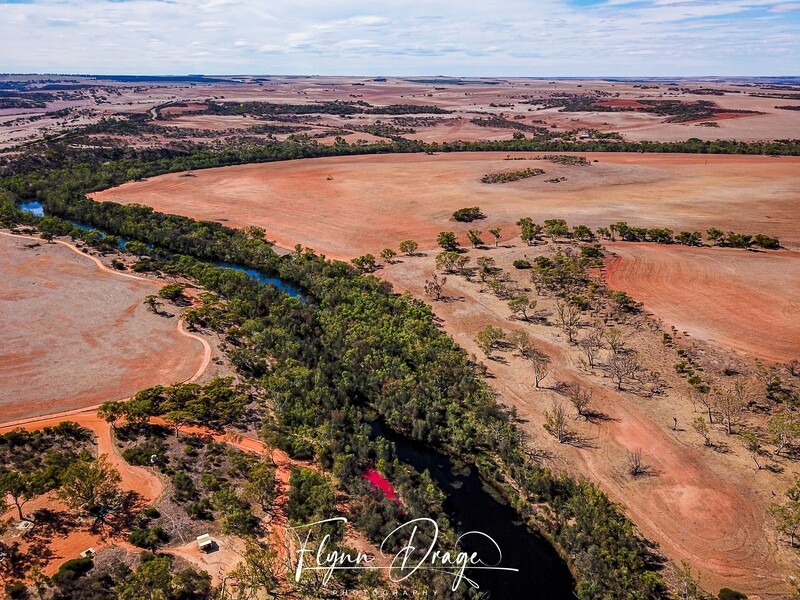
{"points": [[461, 37]]}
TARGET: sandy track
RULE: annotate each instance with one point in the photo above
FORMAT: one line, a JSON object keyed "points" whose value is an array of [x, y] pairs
{"points": [[64, 328], [745, 301], [346, 206]]}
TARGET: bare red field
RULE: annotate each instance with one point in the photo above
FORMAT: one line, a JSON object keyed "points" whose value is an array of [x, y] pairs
{"points": [[347, 206], [74, 335], [744, 301]]}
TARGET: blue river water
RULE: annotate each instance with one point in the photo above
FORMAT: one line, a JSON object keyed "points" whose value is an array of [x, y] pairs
{"points": [[35, 208]]}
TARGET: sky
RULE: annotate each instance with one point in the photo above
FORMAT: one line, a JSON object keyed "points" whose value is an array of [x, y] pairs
{"points": [[525, 38]]}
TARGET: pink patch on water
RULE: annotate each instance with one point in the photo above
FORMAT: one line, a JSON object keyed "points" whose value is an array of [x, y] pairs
{"points": [[380, 482]]}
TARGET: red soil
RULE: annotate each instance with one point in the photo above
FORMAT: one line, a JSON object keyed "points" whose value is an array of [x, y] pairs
{"points": [[66, 546], [347, 206], [68, 321], [745, 301]]}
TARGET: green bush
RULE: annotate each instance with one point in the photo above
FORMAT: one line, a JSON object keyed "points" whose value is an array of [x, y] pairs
{"points": [[522, 263]]}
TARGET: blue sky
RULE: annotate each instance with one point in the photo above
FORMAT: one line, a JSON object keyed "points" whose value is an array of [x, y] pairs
{"points": [[538, 38]]}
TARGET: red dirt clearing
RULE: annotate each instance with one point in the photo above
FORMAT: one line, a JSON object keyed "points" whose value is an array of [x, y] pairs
{"points": [[74, 335], [745, 301]]}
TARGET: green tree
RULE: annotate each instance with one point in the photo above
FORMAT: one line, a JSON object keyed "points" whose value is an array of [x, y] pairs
{"points": [[408, 247], [475, 237], [366, 263], [137, 248], [260, 486], [788, 513], [556, 228], [91, 486], [19, 487], [111, 412], [152, 302], [172, 291], [488, 339], [495, 232], [521, 305], [784, 430], [447, 241], [388, 255]]}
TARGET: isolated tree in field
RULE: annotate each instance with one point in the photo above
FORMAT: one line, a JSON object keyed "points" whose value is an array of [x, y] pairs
{"points": [[615, 340], [388, 255], [495, 232], [111, 412], [91, 486], [700, 426], [635, 464], [446, 261], [488, 338], [568, 317], [730, 403], [623, 366], [753, 445], [434, 286], [706, 398], [556, 422], [522, 342], [591, 345], [447, 241], [784, 430], [580, 400], [541, 366], [152, 302], [788, 513], [19, 487], [521, 305], [486, 267], [408, 247], [475, 237], [461, 263]]}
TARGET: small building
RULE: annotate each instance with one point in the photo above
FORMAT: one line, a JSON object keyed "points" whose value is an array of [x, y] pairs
{"points": [[205, 543]]}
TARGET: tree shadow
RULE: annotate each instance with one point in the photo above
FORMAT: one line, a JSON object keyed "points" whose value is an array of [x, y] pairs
{"points": [[582, 442], [597, 416]]}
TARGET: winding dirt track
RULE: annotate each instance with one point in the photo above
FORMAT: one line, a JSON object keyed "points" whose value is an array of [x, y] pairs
{"points": [[64, 371]]}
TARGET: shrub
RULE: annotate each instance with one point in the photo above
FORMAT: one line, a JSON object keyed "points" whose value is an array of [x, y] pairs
{"points": [[72, 570], [148, 538], [200, 510], [467, 215], [522, 263], [16, 590]]}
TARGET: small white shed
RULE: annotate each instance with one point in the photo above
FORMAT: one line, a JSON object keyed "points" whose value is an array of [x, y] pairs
{"points": [[204, 542]]}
